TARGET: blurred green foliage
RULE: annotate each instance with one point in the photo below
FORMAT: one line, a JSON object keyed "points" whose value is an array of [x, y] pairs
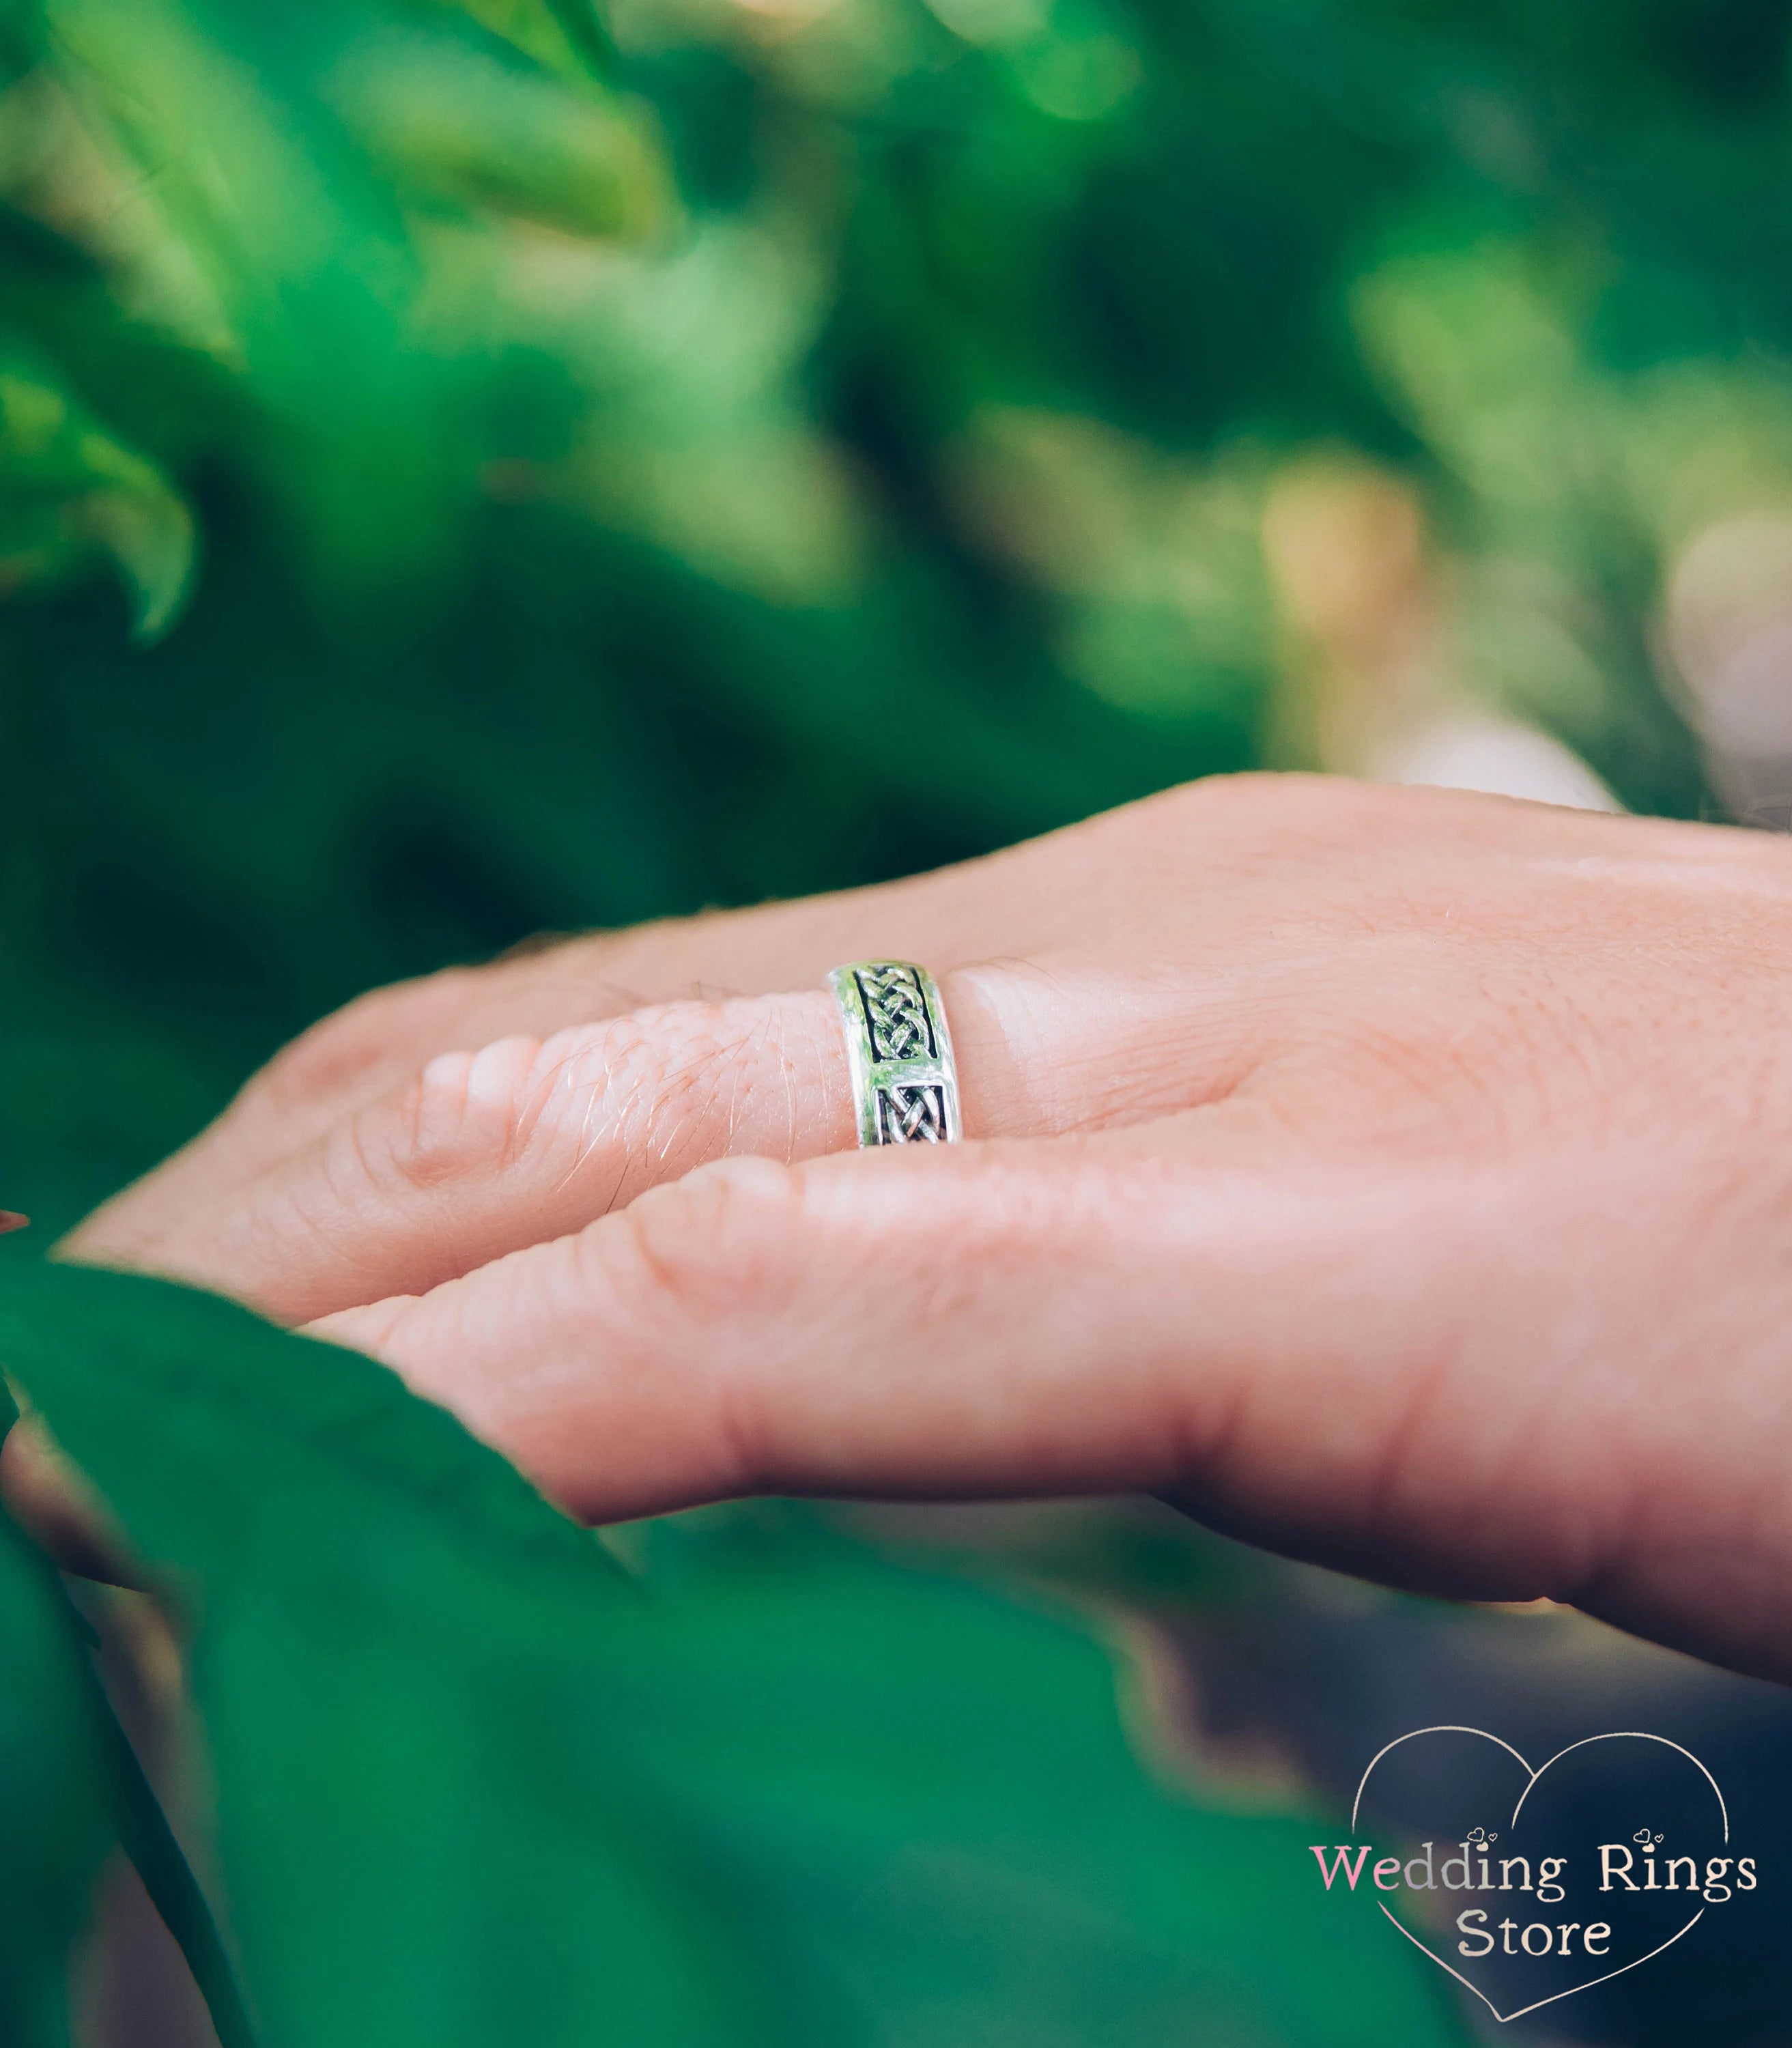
{"points": [[743, 447], [471, 469]]}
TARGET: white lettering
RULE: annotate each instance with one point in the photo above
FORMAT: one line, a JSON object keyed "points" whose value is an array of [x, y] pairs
{"points": [[1477, 1932]]}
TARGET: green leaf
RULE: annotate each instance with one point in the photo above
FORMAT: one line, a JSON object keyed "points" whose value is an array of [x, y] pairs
{"points": [[945, 1824], [70, 490], [400, 1664], [155, 1852], [52, 1827], [475, 1784], [255, 215], [464, 123], [568, 34]]}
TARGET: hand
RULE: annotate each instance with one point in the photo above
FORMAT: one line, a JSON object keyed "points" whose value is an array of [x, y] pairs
{"points": [[1398, 1179]]}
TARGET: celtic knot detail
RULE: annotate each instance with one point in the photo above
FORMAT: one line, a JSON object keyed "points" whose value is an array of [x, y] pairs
{"points": [[912, 1115], [896, 1015], [905, 1088]]}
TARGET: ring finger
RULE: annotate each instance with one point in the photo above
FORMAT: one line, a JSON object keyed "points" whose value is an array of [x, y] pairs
{"points": [[527, 1140]]}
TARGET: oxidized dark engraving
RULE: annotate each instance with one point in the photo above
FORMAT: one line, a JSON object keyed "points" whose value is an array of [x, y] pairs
{"points": [[896, 1014], [912, 1115]]}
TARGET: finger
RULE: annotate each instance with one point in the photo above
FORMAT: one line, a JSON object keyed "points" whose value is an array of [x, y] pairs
{"points": [[526, 1141], [483, 1153], [374, 1046], [1017, 903], [55, 1504], [997, 1322]]}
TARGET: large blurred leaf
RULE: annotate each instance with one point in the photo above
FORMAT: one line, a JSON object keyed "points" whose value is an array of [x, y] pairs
{"points": [[422, 1834], [961, 1846], [52, 1829], [474, 1786]]}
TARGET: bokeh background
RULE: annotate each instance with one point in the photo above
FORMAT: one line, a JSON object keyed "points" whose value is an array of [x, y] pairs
{"points": [[473, 470]]}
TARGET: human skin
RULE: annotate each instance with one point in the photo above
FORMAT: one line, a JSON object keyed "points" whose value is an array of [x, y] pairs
{"points": [[1398, 1179]]}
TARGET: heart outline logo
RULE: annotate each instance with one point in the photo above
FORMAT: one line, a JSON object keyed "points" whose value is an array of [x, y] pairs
{"points": [[1531, 1778]]}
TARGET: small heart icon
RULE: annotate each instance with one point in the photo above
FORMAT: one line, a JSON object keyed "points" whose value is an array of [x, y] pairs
{"points": [[1576, 1892]]}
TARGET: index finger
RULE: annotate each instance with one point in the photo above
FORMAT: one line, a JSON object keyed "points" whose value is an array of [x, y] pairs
{"points": [[1205, 1305]]}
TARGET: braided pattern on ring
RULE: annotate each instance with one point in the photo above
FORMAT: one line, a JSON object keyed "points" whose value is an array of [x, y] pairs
{"points": [[912, 1115], [898, 1049], [896, 1013]]}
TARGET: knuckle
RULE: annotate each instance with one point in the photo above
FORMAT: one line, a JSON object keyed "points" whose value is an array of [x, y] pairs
{"points": [[632, 1096], [1269, 818], [1256, 789], [1283, 797], [702, 1251], [466, 1115]]}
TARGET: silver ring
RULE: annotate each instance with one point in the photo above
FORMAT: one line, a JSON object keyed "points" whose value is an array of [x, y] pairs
{"points": [[905, 1081]]}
